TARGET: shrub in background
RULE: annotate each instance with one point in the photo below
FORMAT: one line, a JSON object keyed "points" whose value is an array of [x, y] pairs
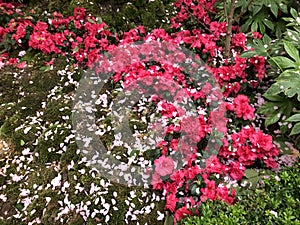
{"points": [[278, 203]]}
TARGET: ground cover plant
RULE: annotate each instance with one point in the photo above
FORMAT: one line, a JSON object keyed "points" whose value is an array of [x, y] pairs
{"points": [[223, 146]]}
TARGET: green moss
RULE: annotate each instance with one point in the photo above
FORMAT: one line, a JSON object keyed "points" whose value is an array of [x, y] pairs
{"points": [[70, 155], [8, 88], [54, 110], [51, 139]]}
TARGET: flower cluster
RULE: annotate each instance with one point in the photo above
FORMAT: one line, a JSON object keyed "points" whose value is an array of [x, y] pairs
{"points": [[85, 41]]}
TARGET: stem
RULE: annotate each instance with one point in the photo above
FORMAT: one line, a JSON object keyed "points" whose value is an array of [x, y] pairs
{"points": [[205, 27], [208, 10], [229, 29], [225, 11], [244, 11]]}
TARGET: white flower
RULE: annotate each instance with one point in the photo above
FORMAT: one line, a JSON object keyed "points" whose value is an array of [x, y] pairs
{"points": [[27, 201], [16, 178], [3, 197], [24, 192], [26, 151], [56, 181], [48, 199], [27, 129], [161, 216], [22, 53], [274, 213]]}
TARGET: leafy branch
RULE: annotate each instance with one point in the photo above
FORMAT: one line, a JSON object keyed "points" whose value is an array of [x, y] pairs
{"points": [[230, 20]]}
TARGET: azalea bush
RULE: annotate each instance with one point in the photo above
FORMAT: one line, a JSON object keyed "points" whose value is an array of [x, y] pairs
{"points": [[278, 203], [223, 143]]}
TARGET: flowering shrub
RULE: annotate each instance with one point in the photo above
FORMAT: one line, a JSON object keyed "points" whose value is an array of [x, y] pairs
{"points": [[278, 203], [205, 173]]}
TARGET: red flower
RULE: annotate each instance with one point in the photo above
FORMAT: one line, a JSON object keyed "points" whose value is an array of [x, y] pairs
{"points": [[209, 192], [260, 140], [256, 34], [270, 162], [218, 119], [213, 165], [182, 213], [178, 177], [156, 182], [242, 107], [171, 201], [246, 155], [22, 65], [236, 170], [223, 194]]}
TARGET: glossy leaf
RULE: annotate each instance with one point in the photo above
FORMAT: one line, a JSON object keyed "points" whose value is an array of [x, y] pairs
{"points": [[294, 118], [291, 50], [296, 129], [283, 62]]}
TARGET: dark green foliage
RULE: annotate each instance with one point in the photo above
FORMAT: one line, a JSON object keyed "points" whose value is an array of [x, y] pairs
{"points": [[278, 203], [121, 15]]}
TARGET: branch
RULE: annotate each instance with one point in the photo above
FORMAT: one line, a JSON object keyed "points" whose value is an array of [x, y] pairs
{"points": [[229, 29], [208, 10], [244, 11], [225, 11], [205, 27]]}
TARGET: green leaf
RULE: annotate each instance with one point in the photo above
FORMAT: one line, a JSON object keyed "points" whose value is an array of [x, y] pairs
{"points": [[296, 129], [194, 189], [274, 9], [19, 206], [268, 23], [275, 89], [257, 8], [274, 98], [169, 220], [22, 142], [248, 54], [76, 49], [291, 50], [254, 180], [283, 62], [294, 13], [134, 152], [45, 68], [294, 118], [249, 173], [99, 19], [290, 84], [91, 20], [254, 26], [275, 110], [283, 8], [266, 39]]}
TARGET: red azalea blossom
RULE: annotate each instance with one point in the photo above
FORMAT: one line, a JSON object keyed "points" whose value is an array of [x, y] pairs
{"points": [[86, 41], [242, 107]]}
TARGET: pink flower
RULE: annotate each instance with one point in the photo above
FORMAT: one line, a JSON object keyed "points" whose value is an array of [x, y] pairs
{"points": [[164, 165], [156, 182], [22, 65]]}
